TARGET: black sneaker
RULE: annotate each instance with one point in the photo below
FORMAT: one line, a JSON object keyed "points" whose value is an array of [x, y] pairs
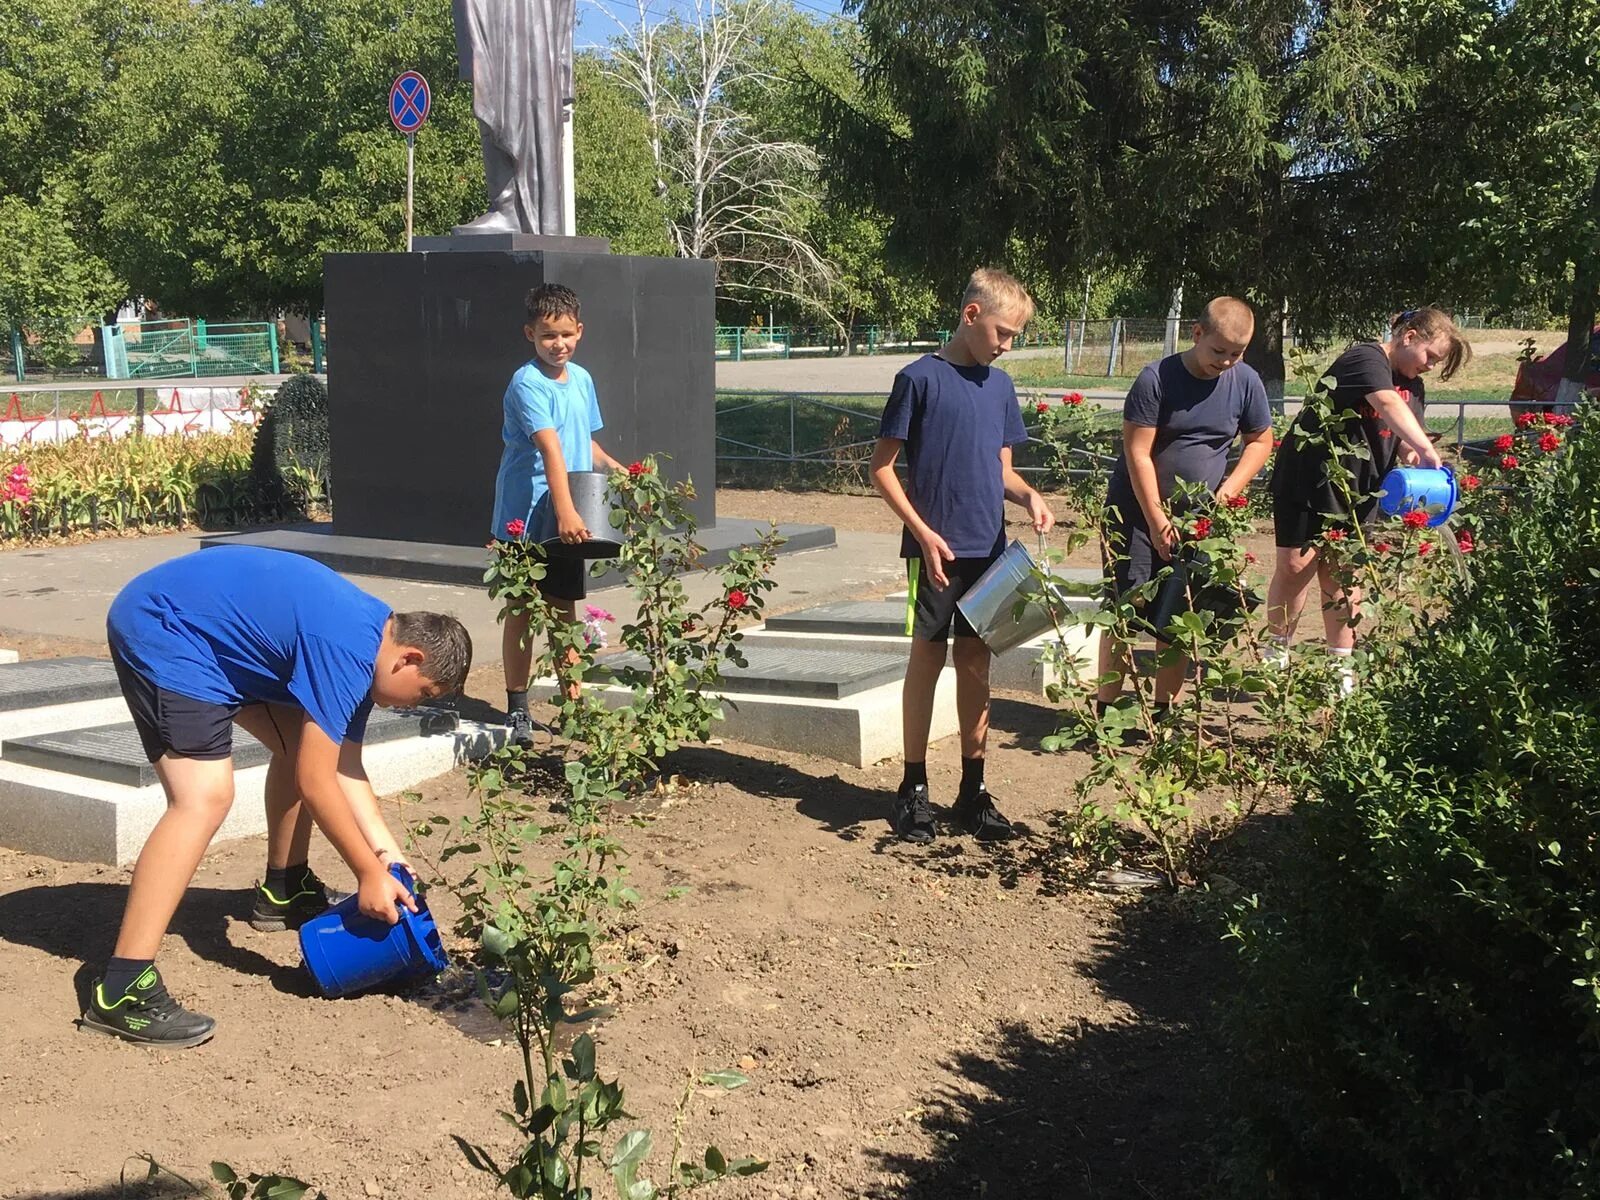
{"points": [[312, 898], [519, 727], [913, 815], [977, 815], [146, 1014]]}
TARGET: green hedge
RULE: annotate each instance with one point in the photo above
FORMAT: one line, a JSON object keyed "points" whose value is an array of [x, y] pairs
{"points": [[1421, 987]]}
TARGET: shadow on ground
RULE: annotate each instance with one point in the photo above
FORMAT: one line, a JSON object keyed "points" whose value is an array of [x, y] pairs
{"points": [[1107, 1110], [1126, 1108]]}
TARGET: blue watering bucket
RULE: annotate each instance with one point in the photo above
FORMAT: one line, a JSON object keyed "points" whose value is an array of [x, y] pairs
{"points": [[347, 952], [1425, 488]]}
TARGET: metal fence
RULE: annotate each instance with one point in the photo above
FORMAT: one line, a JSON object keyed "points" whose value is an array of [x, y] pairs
{"points": [[170, 349], [808, 439], [40, 416]]}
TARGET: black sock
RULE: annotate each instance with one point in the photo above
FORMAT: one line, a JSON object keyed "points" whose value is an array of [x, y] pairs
{"points": [[1160, 710], [516, 701], [971, 776], [120, 974], [916, 775]]}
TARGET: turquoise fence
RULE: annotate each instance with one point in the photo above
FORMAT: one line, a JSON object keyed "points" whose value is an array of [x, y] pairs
{"points": [[193, 349]]}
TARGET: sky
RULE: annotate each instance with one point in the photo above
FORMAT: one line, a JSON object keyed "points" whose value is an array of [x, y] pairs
{"points": [[595, 28]]}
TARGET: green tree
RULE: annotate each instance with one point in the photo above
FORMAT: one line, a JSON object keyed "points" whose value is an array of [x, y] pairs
{"points": [[252, 138], [49, 287], [1229, 148], [614, 176]]}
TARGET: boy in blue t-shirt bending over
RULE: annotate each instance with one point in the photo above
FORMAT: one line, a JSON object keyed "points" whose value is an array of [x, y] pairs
{"points": [[957, 418], [551, 417], [296, 656]]}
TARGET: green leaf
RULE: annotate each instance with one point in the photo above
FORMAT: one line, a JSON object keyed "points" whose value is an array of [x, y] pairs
{"points": [[222, 1172], [497, 942], [727, 1079], [633, 1147], [715, 1163]]}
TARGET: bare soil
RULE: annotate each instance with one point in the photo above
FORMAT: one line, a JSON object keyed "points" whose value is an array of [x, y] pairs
{"points": [[928, 1023]]}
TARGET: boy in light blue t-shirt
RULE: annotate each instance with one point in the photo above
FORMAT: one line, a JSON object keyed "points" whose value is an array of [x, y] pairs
{"points": [[551, 417]]}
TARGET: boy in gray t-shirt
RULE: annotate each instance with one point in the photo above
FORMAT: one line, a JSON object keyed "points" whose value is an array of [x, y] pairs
{"points": [[1179, 421]]}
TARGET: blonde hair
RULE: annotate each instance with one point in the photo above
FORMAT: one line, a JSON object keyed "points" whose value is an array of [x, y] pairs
{"points": [[1428, 323], [1228, 315], [995, 290]]}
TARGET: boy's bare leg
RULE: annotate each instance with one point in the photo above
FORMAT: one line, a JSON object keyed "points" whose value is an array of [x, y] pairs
{"points": [[288, 820], [1169, 680], [567, 610], [1286, 594], [1338, 606], [516, 653], [1114, 656], [199, 794], [972, 695], [916, 696]]}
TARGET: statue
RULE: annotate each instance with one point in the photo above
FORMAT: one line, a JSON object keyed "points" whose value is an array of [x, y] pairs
{"points": [[518, 55]]}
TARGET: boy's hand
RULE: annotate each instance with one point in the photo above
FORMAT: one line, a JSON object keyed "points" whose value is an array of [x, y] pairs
{"points": [[1039, 512], [935, 553], [1164, 537], [571, 527], [379, 893]]}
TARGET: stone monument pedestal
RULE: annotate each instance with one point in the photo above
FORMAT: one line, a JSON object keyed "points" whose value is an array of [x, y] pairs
{"points": [[422, 345]]}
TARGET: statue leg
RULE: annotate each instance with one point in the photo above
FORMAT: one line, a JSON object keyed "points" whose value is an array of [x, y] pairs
{"points": [[500, 178]]}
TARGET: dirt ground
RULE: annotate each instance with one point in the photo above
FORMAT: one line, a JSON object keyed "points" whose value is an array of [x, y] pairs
{"points": [[929, 1023]]}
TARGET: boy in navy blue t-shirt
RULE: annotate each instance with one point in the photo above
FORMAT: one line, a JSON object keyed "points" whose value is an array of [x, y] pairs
{"points": [[957, 418], [297, 656], [551, 414]]}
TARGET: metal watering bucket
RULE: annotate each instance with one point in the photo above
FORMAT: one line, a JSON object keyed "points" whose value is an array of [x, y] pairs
{"points": [[592, 498], [1411, 488], [989, 603]]}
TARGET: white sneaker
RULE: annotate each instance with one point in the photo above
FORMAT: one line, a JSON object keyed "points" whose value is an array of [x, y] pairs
{"points": [[1275, 656], [1347, 681]]}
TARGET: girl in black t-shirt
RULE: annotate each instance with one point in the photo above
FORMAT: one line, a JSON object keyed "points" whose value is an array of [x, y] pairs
{"points": [[1378, 386]]}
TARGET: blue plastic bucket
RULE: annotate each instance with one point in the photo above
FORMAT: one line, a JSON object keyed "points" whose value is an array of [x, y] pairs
{"points": [[1406, 489], [348, 952]]}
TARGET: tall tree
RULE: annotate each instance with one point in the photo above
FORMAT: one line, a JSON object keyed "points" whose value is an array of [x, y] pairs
{"points": [[1226, 146], [253, 138], [615, 173], [731, 194]]}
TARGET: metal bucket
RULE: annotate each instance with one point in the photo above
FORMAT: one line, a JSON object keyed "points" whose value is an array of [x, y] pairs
{"points": [[592, 498], [989, 603]]}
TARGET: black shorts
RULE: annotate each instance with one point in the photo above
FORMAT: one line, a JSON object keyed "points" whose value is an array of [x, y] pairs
{"points": [[1295, 524], [170, 722], [1131, 554], [565, 579], [930, 610]]}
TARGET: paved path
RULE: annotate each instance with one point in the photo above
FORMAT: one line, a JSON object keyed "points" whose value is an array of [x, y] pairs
{"points": [[64, 591]]}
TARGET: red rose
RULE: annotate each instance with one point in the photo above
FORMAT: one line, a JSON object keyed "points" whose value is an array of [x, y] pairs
{"points": [[688, 624], [1524, 419], [1276, 442], [1549, 442], [1415, 519], [515, 528], [1041, 407], [1202, 526], [1248, 557], [1509, 462], [1504, 442], [1560, 419], [1464, 542], [1336, 535], [737, 599], [1238, 501], [1073, 398], [1382, 547], [637, 469], [1471, 482], [1424, 547]]}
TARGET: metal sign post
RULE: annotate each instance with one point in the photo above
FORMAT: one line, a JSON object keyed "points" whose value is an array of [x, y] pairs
{"points": [[410, 98]]}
